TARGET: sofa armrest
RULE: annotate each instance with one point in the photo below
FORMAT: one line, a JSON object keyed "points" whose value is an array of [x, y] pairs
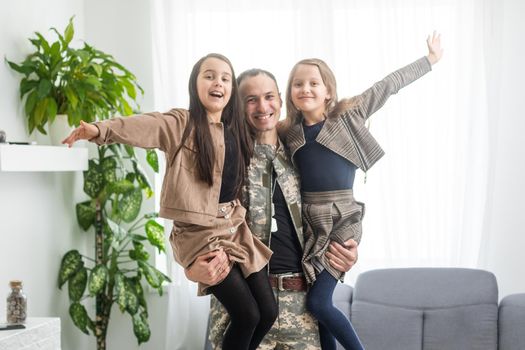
{"points": [[511, 322], [342, 298]]}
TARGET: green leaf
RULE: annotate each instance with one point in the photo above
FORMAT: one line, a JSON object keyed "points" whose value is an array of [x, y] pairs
{"points": [[124, 291], [129, 150], [139, 292], [154, 277], [40, 109], [129, 205], [152, 159], [86, 214], [141, 328], [138, 253], [79, 316], [71, 263], [121, 186], [44, 87], [77, 284], [93, 180], [69, 32], [51, 109], [117, 230], [120, 291], [155, 234], [97, 279], [109, 166], [23, 69], [142, 178]]}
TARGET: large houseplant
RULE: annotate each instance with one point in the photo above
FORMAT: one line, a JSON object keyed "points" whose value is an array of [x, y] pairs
{"points": [[83, 83], [114, 182], [88, 84]]}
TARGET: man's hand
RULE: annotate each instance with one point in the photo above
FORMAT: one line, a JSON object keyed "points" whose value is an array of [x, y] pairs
{"points": [[84, 132], [342, 258], [210, 268]]}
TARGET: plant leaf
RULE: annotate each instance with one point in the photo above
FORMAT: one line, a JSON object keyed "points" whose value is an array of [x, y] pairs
{"points": [[155, 234], [93, 180], [129, 205], [77, 284], [71, 263], [79, 316], [98, 279], [152, 159], [121, 186], [109, 166], [117, 230], [69, 32], [44, 87], [138, 253], [141, 328], [129, 150], [86, 214]]}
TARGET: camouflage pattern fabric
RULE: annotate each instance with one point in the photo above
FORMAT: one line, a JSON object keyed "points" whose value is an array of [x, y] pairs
{"points": [[294, 328]]}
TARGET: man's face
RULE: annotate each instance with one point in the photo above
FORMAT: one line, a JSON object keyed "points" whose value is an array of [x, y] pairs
{"points": [[261, 101]]}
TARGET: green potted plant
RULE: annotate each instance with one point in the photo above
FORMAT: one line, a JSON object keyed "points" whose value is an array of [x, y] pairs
{"points": [[88, 84], [83, 83], [114, 182]]}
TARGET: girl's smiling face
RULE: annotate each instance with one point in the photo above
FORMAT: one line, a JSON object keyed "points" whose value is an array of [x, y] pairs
{"points": [[214, 86], [309, 93]]}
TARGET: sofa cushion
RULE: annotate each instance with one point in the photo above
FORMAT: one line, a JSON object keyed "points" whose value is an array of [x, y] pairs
{"points": [[426, 308], [386, 327], [461, 328]]}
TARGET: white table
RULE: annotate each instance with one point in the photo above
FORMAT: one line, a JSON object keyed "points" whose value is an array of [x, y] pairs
{"points": [[41, 333]]}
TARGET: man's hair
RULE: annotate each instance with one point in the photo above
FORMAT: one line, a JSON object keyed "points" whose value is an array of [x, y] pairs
{"points": [[255, 72]]}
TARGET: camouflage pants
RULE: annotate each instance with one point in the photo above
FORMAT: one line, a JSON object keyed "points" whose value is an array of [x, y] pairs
{"points": [[294, 329]]}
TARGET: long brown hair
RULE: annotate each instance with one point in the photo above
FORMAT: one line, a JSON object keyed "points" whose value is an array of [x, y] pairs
{"points": [[232, 117]]}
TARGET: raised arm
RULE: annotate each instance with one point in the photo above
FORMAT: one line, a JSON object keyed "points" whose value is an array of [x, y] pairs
{"points": [[375, 97]]}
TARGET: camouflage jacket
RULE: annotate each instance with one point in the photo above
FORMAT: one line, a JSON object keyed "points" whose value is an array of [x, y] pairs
{"points": [[257, 194]]}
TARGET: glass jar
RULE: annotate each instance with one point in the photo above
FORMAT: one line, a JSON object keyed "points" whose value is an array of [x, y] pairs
{"points": [[16, 304]]}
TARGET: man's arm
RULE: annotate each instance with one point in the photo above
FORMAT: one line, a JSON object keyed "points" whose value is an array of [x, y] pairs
{"points": [[342, 258], [210, 268]]}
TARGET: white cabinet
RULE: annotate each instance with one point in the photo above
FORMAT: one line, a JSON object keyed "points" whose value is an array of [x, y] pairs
{"points": [[41, 333], [42, 158]]}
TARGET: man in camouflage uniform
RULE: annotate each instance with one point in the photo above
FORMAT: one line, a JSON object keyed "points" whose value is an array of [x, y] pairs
{"points": [[272, 196]]}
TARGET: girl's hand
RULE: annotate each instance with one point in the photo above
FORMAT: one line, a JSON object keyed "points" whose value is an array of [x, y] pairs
{"points": [[84, 132], [434, 48], [210, 268]]}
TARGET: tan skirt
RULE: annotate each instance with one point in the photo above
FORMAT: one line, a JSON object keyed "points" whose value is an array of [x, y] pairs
{"points": [[328, 216], [228, 231]]}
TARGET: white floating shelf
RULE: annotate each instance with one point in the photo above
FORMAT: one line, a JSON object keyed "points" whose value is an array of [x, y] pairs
{"points": [[42, 158]]}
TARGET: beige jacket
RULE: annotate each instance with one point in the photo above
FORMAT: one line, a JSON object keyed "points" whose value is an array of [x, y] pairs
{"points": [[184, 197]]}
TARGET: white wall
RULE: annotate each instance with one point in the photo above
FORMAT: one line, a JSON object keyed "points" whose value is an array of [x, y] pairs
{"points": [[505, 222]]}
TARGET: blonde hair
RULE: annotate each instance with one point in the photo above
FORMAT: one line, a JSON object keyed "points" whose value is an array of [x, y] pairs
{"points": [[333, 106]]}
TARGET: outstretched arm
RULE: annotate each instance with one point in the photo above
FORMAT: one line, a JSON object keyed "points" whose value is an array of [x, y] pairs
{"points": [[435, 51], [84, 132]]}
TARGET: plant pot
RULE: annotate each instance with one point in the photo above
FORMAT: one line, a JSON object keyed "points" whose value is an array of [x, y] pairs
{"points": [[59, 129]]}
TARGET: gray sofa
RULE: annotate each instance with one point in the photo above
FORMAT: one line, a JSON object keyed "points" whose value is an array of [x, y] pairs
{"points": [[433, 309]]}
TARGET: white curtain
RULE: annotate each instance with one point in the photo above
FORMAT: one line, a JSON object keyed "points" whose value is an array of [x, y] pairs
{"points": [[426, 198]]}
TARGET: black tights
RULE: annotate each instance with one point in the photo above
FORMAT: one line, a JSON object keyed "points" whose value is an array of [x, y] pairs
{"points": [[251, 305]]}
